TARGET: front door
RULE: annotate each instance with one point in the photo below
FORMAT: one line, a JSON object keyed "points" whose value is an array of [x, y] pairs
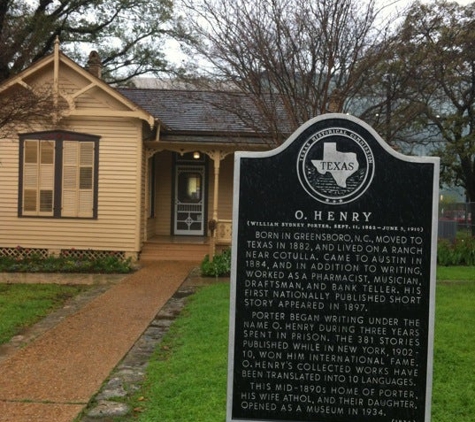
{"points": [[189, 214]]}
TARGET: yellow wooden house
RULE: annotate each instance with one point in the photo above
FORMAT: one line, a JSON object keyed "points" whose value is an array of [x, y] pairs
{"points": [[137, 173]]}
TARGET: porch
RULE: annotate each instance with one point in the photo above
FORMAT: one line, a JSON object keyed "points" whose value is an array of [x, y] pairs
{"points": [[175, 248], [187, 248]]}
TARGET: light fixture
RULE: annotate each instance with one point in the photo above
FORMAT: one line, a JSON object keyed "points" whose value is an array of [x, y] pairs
{"points": [[196, 155]]}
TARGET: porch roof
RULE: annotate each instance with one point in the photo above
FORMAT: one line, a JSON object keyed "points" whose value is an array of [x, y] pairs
{"points": [[203, 116]]}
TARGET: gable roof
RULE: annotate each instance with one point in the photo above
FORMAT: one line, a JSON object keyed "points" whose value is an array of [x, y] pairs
{"points": [[201, 112], [183, 115], [187, 111], [56, 59]]}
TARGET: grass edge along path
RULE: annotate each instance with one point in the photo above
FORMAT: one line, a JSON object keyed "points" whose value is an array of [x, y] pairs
{"points": [[22, 305], [186, 378]]}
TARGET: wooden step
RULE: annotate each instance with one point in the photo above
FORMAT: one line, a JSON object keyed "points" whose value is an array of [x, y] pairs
{"points": [[173, 252]]}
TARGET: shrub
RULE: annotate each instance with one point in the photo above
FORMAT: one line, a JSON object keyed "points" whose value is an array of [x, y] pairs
{"points": [[445, 253], [459, 252], [65, 264], [219, 267]]}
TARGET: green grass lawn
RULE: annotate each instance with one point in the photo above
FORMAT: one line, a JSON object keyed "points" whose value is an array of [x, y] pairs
{"points": [[454, 353], [458, 273], [186, 379], [22, 305]]}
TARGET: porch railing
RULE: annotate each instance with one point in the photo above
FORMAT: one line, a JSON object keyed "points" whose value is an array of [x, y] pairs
{"points": [[223, 233]]}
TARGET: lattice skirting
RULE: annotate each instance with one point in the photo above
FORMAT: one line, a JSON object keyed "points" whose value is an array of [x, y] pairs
{"points": [[91, 254], [20, 252]]}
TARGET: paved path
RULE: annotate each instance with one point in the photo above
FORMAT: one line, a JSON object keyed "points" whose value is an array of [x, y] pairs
{"points": [[53, 378]]}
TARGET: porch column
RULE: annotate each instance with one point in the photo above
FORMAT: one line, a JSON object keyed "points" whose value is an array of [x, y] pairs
{"points": [[149, 153], [216, 156]]}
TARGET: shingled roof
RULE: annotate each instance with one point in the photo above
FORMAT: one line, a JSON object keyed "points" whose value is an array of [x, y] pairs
{"points": [[199, 112]]}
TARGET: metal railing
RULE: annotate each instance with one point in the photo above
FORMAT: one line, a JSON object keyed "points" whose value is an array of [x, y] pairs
{"points": [[454, 218]]}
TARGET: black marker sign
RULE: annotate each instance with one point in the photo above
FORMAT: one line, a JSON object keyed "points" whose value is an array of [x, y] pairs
{"points": [[333, 279]]}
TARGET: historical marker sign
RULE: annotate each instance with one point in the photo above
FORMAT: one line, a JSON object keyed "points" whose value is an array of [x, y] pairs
{"points": [[333, 279]]}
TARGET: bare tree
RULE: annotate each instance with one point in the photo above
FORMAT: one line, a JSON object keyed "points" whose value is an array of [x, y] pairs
{"points": [[430, 82], [383, 99], [292, 58], [27, 106]]}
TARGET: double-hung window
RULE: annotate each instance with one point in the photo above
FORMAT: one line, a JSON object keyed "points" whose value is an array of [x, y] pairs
{"points": [[58, 175]]}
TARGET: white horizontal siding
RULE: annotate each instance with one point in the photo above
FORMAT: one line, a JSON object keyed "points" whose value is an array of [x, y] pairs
{"points": [[119, 178], [118, 200], [8, 181]]}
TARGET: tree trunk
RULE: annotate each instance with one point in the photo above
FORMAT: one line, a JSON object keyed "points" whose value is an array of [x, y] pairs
{"points": [[471, 216]]}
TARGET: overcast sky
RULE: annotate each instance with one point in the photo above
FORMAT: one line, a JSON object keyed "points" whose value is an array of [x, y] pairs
{"points": [[393, 6], [398, 4]]}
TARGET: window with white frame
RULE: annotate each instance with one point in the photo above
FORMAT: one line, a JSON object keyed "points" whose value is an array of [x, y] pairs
{"points": [[58, 175]]}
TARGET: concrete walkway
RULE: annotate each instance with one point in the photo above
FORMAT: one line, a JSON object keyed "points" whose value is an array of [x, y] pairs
{"points": [[53, 378]]}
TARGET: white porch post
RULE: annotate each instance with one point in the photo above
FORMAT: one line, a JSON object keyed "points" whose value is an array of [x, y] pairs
{"points": [[217, 165], [216, 156], [149, 153]]}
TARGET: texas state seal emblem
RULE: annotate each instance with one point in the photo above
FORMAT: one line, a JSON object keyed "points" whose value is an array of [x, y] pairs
{"points": [[335, 166]]}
